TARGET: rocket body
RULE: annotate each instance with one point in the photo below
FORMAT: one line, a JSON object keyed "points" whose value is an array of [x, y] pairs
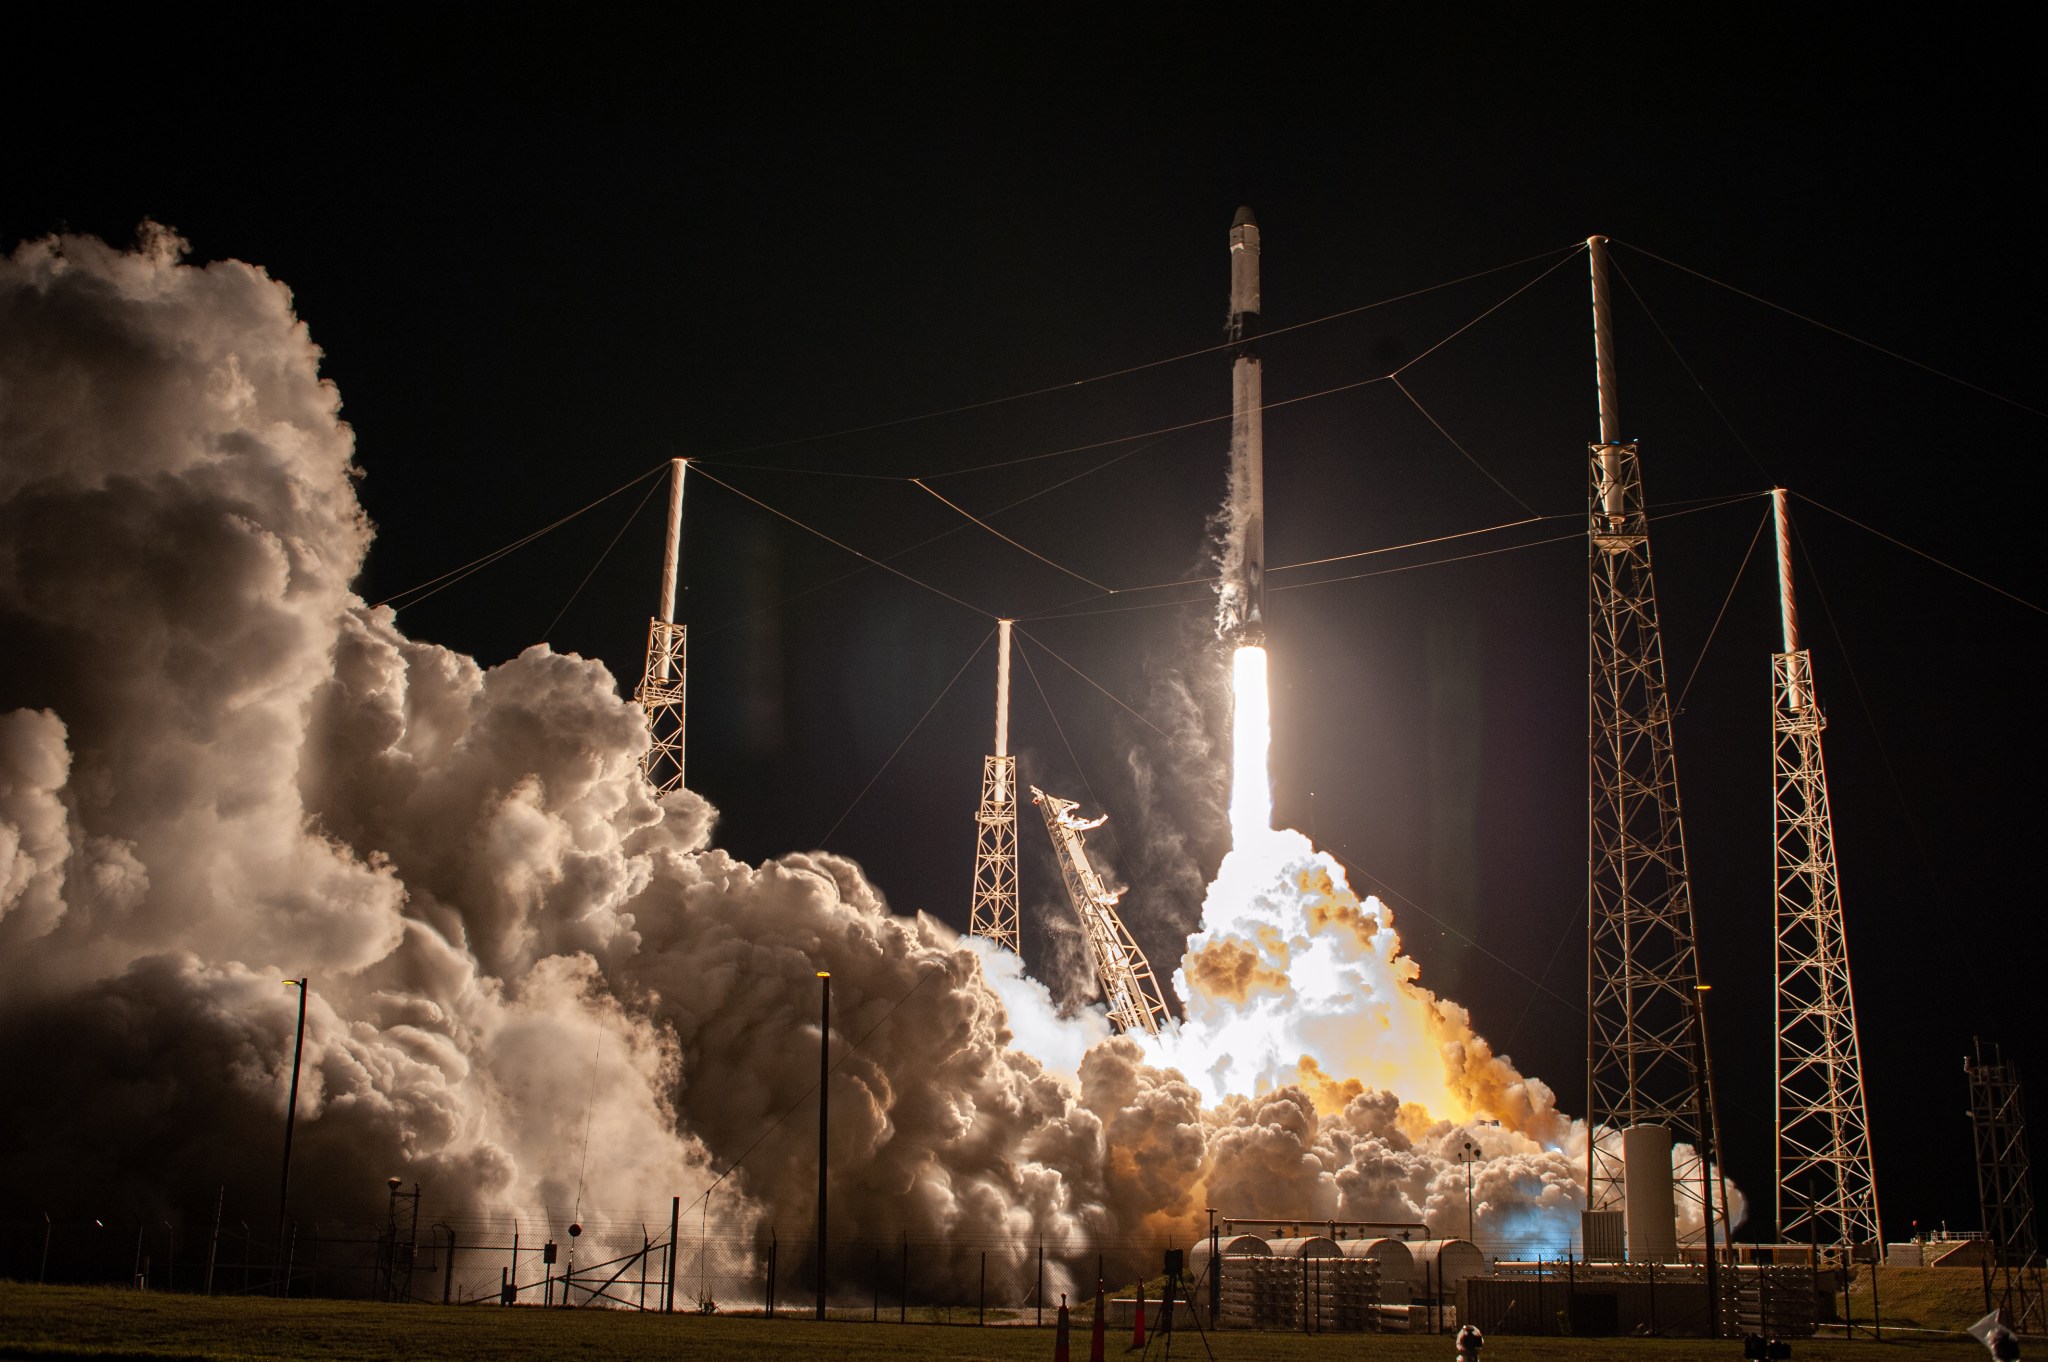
{"points": [[1242, 606]]}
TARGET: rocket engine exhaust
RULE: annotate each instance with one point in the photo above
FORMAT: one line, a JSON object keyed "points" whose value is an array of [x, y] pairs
{"points": [[1241, 605]]}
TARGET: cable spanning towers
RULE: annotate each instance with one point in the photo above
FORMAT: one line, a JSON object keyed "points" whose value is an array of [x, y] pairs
{"points": [[1127, 982], [1827, 1184], [663, 682], [993, 913], [2004, 1189], [1644, 1033]]}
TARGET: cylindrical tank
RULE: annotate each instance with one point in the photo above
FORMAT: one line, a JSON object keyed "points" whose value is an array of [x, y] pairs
{"points": [[1232, 1245], [1308, 1246], [1440, 1264], [1397, 1265], [1652, 1211]]}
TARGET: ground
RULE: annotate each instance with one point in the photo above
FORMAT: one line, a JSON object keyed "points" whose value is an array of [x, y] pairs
{"points": [[73, 1322]]}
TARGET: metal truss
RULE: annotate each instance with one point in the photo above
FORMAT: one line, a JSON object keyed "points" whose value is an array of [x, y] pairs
{"points": [[1827, 1183], [993, 913], [661, 695], [1644, 1062], [2003, 1186], [1127, 982]]}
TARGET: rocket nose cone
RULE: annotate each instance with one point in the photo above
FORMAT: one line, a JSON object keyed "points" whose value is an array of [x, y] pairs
{"points": [[1244, 218]]}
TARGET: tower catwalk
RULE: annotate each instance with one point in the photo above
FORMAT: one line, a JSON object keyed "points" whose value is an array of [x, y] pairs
{"points": [[1644, 1022], [663, 682], [993, 913], [1827, 1184]]}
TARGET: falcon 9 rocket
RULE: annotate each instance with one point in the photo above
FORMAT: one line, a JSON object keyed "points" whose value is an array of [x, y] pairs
{"points": [[1241, 604]]}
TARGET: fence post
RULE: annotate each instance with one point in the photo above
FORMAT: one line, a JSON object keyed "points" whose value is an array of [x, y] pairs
{"points": [[675, 1216], [981, 1297], [774, 1247], [875, 1280], [903, 1298], [1039, 1291]]}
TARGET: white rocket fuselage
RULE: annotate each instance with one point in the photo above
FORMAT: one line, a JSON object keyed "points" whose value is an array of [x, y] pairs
{"points": [[1245, 559]]}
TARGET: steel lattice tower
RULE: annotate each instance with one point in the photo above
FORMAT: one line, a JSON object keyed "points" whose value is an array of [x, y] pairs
{"points": [[1127, 982], [2004, 1189], [1827, 1182], [662, 684], [1644, 1030], [993, 913]]}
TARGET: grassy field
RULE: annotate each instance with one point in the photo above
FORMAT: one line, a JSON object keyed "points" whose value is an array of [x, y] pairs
{"points": [[73, 1322]]}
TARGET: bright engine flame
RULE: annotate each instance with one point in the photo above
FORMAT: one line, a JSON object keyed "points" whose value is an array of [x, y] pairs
{"points": [[1251, 735]]}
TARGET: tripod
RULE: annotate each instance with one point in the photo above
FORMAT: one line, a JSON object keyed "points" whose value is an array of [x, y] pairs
{"points": [[1178, 1289]]}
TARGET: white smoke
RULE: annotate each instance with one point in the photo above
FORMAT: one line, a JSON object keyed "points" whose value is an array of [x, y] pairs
{"points": [[532, 983]]}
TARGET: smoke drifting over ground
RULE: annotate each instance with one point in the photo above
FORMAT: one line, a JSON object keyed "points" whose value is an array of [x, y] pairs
{"points": [[532, 984]]}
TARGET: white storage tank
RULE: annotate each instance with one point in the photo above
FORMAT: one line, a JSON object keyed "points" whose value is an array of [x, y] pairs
{"points": [[1231, 1246], [1441, 1264], [1397, 1265], [1651, 1207], [1307, 1246]]}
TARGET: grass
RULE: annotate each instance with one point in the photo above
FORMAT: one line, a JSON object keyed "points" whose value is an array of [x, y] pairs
{"points": [[79, 1322]]}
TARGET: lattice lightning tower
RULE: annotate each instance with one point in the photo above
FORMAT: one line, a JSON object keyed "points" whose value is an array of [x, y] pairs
{"points": [[993, 913], [1827, 1183], [663, 682], [1644, 1032], [2004, 1189], [1127, 982]]}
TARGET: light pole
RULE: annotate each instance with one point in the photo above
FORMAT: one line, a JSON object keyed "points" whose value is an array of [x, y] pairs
{"points": [[291, 1116], [824, 1111], [1469, 1156]]}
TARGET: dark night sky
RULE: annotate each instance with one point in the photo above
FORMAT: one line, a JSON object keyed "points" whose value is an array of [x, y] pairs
{"points": [[544, 254]]}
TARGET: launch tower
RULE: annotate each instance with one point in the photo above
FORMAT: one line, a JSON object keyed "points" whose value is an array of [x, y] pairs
{"points": [[1827, 1184], [1127, 982], [993, 913], [1645, 1036], [662, 683]]}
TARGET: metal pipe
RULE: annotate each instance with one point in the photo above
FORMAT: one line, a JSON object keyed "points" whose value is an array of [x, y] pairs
{"points": [[1003, 687]]}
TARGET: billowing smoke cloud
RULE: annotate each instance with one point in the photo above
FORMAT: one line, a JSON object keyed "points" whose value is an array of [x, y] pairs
{"points": [[532, 983]]}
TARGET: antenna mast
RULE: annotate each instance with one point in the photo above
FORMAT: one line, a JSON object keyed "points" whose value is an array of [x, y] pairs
{"points": [[993, 913], [1827, 1183], [1644, 1026], [662, 684], [1127, 982]]}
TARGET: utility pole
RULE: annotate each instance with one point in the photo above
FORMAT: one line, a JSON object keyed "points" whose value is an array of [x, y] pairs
{"points": [[1643, 1059], [1825, 1172], [993, 912], [663, 683]]}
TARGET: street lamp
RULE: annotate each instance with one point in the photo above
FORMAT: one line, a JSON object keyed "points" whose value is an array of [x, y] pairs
{"points": [[824, 1115], [291, 1116], [1471, 1155]]}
